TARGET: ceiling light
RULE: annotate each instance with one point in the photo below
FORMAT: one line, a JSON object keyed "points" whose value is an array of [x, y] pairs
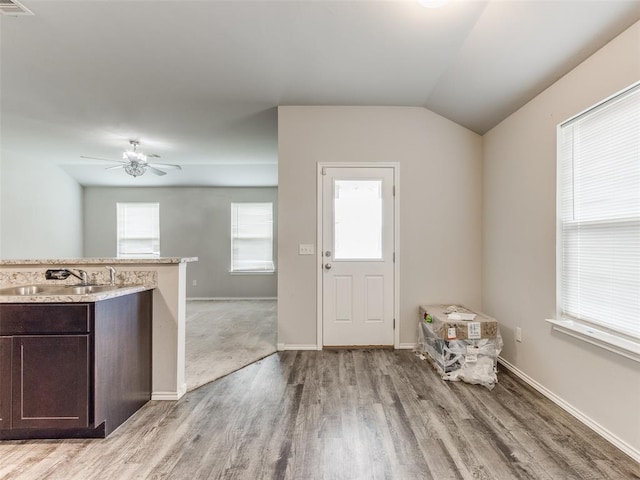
{"points": [[133, 156], [135, 169], [137, 165], [432, 3]]}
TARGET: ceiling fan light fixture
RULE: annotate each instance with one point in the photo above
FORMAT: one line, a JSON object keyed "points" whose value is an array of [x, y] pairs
{"points": [[135, 169], [135, 163], [133, 156]]}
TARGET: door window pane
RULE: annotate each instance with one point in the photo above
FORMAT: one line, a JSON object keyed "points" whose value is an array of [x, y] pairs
{"points": [[357, 220]]}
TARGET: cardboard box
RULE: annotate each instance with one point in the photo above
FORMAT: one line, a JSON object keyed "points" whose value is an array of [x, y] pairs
{"points": [[460, 349], [446, 328]]}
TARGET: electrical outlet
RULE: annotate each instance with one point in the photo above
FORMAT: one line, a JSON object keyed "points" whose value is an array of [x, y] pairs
{"points": [[518, 334], [305, 249], [194, 283]]}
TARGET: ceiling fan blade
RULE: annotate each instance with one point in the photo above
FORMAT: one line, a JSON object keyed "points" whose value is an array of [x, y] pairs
{"points": [[165, 165], [103, 159], [155, 170], [114, 167], [153, 155]]}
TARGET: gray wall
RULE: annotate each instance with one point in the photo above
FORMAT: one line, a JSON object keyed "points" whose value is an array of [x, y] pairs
{"points": [[40, 210], [193, 222], [519, 220], [440, 194]]}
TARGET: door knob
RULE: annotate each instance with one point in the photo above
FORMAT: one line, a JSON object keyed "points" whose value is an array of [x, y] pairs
{"points": [[327, 266]]}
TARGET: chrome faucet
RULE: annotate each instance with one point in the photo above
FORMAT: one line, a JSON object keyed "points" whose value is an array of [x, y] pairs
{"points": [[112, 275], [63, 274], [81, 275]]}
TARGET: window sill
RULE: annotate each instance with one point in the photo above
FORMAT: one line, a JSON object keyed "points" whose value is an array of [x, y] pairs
{"points": [[257, 272], [599, 337]]}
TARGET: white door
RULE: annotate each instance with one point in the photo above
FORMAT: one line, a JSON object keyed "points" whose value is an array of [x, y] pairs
{"points": [[357, 256]]}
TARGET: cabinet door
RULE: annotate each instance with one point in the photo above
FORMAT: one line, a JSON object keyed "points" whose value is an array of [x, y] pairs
{"points": [[5, 383], [50, 381]]}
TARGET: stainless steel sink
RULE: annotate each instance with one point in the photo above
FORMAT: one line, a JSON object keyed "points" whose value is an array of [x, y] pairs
{"points": [[30, 290], [87, 289]]}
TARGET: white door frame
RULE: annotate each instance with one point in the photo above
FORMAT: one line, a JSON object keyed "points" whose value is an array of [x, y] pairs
{"points": [[396, 240]]}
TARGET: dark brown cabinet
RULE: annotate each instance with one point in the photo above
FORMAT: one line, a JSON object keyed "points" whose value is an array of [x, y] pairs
{"points": [[5, 382], [73, 369], [50, 376]]}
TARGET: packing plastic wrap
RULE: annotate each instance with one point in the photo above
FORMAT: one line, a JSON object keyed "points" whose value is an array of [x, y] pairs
{"points": [[470, 360]]}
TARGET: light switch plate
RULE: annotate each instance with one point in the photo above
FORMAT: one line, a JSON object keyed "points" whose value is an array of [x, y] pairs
{"points": [[306, 249]]}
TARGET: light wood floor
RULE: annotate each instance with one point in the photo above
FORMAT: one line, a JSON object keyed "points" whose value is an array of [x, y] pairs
{"points": [[343, 414]]}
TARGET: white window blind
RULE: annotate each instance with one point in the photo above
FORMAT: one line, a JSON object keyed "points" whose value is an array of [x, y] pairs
{"points": [[252, 237], [599, 215], [138, 230]]}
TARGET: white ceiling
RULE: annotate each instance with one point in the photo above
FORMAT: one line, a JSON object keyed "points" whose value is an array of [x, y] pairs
{"points": [[198, 82]]}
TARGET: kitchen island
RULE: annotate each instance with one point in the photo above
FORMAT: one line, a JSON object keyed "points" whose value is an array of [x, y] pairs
{"points": [[166, 275], [73, 365]]}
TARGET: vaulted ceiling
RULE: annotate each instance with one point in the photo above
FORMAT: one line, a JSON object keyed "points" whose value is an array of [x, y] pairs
{"points": [[198, 82]]}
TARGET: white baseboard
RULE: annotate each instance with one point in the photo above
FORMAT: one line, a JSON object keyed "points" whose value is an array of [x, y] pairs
{"points": [[596, 427], [226, 299], [291, 346], [170, 396], [283, 346]]}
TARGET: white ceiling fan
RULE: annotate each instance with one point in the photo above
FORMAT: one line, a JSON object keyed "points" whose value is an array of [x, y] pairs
{"points": [[135, 163]]}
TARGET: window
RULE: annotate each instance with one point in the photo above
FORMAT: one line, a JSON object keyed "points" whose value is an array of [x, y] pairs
{"points": [[599, 218], [252, 237], [357, 215], [138, 230]]}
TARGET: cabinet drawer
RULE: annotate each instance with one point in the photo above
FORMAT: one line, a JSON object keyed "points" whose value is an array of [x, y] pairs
{"points": [[21, 319]]}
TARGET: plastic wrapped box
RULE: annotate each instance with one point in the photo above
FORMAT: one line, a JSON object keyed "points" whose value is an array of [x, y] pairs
{"points": [[461, 345]]}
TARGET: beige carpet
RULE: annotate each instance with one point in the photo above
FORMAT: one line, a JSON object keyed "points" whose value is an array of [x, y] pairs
{"points": [[223, 336]]}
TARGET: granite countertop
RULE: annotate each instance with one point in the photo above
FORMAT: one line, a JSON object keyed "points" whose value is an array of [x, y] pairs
{"points": [[98, 261], [69, 298]]}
